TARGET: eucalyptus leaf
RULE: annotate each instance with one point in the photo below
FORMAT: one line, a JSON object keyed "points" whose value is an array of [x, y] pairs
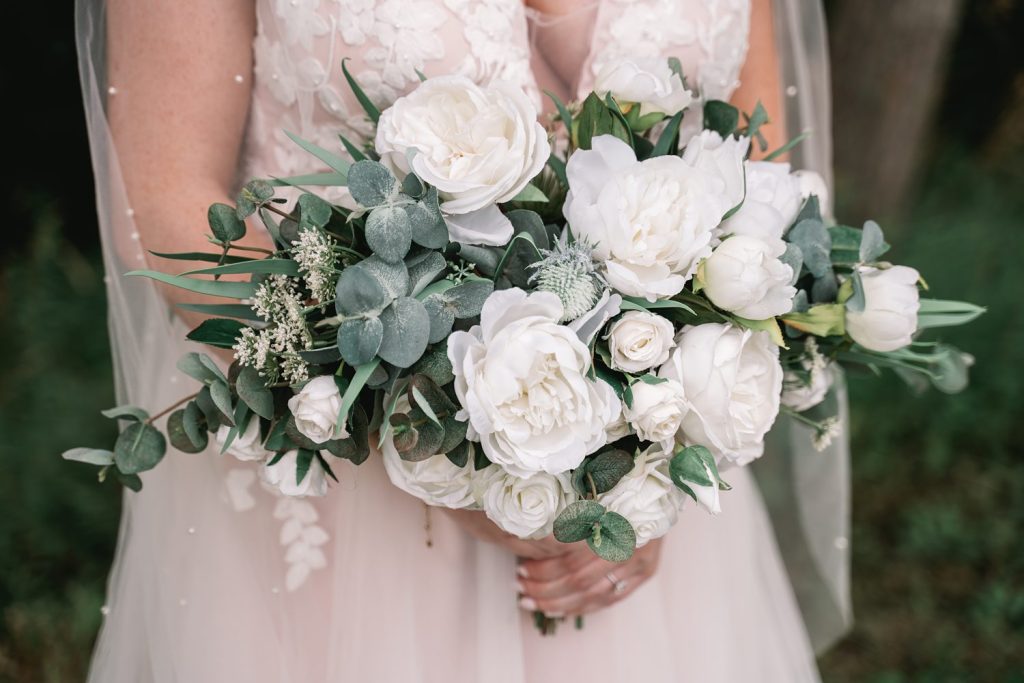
{"points": [[530, 222], [139, 447], [857, 299], [530, 193], [253, 391], [389, 233], [576, 522], [193, 422], [454, 434], [794, 258], [436, 365], [359, 339], [314, 211], [180, 437], [393, 277], [225, 223], [430, 436], [467, 299], [441, 317], [90, 456], [406, 332], [251, 196], [459, 455], [428, 226], [815, 245], [614, 538], [423, 269], [608, 468], [721, 117], [221, 395], [359, 293], [371, 183], [872, 244], [126, 413]]}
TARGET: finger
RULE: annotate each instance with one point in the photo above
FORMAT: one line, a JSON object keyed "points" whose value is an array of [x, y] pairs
{"points": [[572, 557], [573, 603], [573, 579]]}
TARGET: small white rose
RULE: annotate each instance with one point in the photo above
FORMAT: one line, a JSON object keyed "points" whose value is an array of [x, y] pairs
{"points": [[478, 145], [732, 380], [618, 429], [435, 480], [639, 341], [708, 497], [521, 378], [658, 410], [772, 202], [647, 82], [316, 409], [891, 303], [525, 507], [282, 477], [246, 446], [646, 496], [651, 222], [745, 275]]}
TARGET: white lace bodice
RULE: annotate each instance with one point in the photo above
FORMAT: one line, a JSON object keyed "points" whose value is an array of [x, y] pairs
{"points": [[299, 86]]}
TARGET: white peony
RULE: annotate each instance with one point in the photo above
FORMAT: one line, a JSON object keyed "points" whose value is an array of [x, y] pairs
{"points": [[435, 480], [647, 82], [722, 158], [732, 379], [316, 409], [891, 303], [525, 507], [521, 379], [639, 341], [745, 275], [281, 477], [479, 146], [772, 202], [246, 446], [650, 222], [657, 410], [646, 496]]}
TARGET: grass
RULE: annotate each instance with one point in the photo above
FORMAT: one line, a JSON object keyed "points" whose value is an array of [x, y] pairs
{"points": [[938, 482]]}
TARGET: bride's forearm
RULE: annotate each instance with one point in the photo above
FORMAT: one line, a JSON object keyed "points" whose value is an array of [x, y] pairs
{"points": [[760, 77]]}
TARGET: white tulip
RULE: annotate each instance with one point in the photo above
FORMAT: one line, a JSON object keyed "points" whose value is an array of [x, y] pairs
{"points": [[316, 409], [646, 497], [650, 223], [639, 341], [891, 303], [647, 82], [521, 379], [478, 145], [744, 275], [732, 379]]}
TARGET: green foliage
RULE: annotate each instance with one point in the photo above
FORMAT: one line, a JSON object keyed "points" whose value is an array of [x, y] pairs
{"points": [[721, 117]]}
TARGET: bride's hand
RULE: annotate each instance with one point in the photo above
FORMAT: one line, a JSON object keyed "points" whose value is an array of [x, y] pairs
{"points": [[579, 583], [477, 525]]}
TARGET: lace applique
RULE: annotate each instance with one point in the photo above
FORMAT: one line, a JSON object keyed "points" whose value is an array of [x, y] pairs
{"points": [[302, 538], [238, 483], [302, 21]]}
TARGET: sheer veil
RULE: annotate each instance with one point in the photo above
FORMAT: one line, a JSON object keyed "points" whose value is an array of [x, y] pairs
{"points": [[807, 492]]}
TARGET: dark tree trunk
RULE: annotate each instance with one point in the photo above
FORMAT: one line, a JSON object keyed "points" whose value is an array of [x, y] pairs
{"points": [[889, 63]]}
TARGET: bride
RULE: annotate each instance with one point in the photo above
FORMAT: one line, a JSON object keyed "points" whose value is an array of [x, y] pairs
{"points": [[217, 579]]}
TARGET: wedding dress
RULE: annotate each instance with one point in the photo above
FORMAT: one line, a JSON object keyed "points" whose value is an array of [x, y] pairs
{"points": [[218, 580]]}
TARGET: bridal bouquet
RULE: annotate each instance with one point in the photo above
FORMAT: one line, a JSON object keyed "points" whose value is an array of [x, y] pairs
{"points": [[574, 342]]}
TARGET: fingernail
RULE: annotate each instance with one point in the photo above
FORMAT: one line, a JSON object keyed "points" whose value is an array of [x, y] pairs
{"points": [[519, 587], [555, 615], [521, 570], [528, 604]]}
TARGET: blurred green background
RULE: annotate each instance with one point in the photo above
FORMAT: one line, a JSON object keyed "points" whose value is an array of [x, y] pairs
{"points": [[929, 138]]}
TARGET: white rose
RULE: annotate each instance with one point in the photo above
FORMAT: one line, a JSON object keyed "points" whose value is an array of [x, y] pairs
{"points": [[648, 82], [657, 411], [745, 275], [891, 302], [646, 497], [281, 477], [639, 341], [525, 507], [247, 445], [316, 409], [804, 392], [811, 183], [435, 480], [521, 379], [772, 203], [732, 380], [618, 429], [649, 222], [479, 146]]}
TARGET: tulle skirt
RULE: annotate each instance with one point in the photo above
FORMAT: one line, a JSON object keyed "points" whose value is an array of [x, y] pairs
{"points": [[217, 580]]}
